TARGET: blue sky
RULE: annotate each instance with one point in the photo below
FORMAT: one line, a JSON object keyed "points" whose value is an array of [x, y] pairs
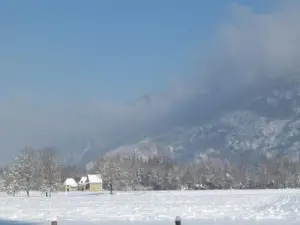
{"points": [[111, 50]]}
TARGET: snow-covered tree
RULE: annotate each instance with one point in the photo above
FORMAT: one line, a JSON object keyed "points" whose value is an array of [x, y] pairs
{"points": [[26, 165], [13, 178], [157, 183], [137, 177], [168, 180], [111, 172], [2, 180], [49, 169]]}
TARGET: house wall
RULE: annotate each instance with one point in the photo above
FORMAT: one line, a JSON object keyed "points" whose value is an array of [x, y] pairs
{"points": [[96, 187], [70, 188]]}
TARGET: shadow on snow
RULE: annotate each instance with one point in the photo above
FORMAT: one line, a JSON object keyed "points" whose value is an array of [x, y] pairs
{"points": [[13, 222]]}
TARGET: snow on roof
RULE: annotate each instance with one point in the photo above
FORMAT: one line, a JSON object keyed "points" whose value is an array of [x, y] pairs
{"points": [[95, 178], [83, 180], [70, 182]]}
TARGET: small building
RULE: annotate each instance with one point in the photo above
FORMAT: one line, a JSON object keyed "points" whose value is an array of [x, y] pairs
{"points": [[95, 182], [83, 184], [70, 185], [91, 182]]}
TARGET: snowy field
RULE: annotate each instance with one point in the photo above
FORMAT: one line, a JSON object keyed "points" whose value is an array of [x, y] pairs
{"points": [[159, 208]]}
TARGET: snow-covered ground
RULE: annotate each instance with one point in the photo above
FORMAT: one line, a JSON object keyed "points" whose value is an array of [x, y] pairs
{"points": [[159, 208]]}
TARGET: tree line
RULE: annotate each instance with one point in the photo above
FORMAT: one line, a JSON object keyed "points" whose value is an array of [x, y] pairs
{"points": [[160, 173], [41, 170]]}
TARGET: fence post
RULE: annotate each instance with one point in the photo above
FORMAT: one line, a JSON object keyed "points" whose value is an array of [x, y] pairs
{"points": [[177, 220], [54, 221]]}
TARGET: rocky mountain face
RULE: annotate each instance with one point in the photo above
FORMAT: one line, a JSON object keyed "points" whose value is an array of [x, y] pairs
{"points": [[264, 118]]}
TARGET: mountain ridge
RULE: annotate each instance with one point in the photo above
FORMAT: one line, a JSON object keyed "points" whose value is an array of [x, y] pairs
{"points": [[263, 119]]}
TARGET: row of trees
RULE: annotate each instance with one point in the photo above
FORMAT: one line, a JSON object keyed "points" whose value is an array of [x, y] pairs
{"points": [[40, 170], [160, 173], [32, 170]]}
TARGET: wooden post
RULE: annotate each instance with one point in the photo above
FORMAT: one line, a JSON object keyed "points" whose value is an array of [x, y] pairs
{"points": [[177, 220], [54, 221]]}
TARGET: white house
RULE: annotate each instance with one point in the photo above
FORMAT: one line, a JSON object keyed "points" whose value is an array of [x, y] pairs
{"points": [[95, 182], [70, 184], [83, 183], [91, 182]]}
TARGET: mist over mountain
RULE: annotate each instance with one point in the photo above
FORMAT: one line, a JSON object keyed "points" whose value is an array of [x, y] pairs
{"points": [[244, 97], [257, 122], [241, 96]]}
